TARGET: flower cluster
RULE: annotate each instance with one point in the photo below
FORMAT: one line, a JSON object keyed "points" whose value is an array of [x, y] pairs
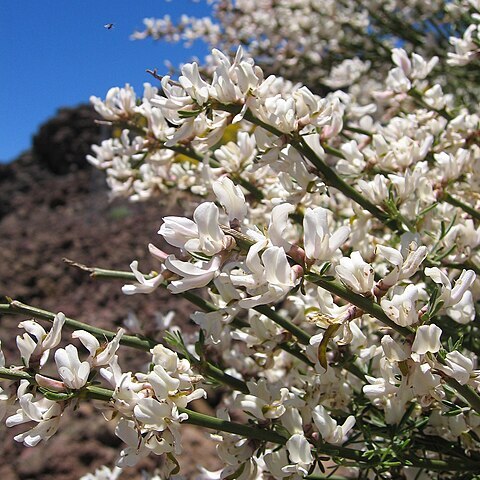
{"points": [[143, 406], [336, 238]]}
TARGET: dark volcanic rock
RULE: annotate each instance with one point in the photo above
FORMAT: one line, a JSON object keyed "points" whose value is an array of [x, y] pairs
{"points": [[62, 142], [45, 217]]}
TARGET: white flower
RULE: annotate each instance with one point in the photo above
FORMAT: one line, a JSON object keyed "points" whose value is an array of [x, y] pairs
{"points": [[427, 339], [128, 391], [319, 243], [2, 356], [402, 269], [165, 357], [194, 275], [278, 225], [211, 239], [328, 428], [201, 235], [119, 104], [375, 190], [466, 48], [231, 197], [263, 402], [417, 68], [144, 285], [99, 354], [397, 81], [152, 413], [46, 413], [356, 273], [136, 448], [38, 351], [460, 368], [394, 351], [73, 373], [162, 383], [275, 462], [103, 473], [299, 452], [451, 296], [464, 311], [271, 276], [402, 307], [193, 84], [178, 230]]}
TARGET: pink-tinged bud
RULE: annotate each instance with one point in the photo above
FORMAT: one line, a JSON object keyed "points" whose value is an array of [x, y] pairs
{"points": [[297, 253], [297, 271], [50, 383], [157, 253]]}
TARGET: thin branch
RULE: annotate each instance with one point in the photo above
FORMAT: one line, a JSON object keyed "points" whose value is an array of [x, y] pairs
{"points": [[458, 203], [300, 334], [365, 304], [329, 176], [368, 306], [140, 343], [19, 308], [217, 424]]}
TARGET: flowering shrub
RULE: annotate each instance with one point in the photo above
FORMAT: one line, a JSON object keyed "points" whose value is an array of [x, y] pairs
{"points": [[336, 237]]}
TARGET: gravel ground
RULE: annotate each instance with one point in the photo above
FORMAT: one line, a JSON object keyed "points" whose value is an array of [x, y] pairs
{"points": [[49, 211]]}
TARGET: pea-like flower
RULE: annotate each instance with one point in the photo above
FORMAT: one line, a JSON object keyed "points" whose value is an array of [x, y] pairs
{"points": [[402, 308], [37, 352], [319, 243], [72, 371], [356, 274]]}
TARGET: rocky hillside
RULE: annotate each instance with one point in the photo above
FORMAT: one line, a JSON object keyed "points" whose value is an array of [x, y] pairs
{"points": [[54, 205]]}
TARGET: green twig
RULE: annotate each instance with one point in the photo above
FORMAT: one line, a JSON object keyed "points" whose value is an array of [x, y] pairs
{"points": [[16, 307], [365, 304], [300, 334], [140, 343], [264, 435], [368, 306], [329, 176], [457, 203]]}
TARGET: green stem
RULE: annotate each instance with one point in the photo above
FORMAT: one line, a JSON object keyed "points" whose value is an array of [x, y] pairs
{"points": [[16, 375], [206, 421], [368, 306], [301, 335], [333, 180], [463, 266], [129, 276], [217, 424], [365, 304], [358, 130], [16, 307], [296, 352], [418, 97], [466, 392], [209, 307], [145, 344], [457, 203], [329, 175]]}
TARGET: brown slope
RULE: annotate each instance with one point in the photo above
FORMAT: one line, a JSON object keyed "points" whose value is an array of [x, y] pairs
{"points": [[53, 205]]}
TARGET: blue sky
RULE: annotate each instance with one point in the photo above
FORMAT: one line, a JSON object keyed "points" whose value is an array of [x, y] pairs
{"points": [[56, 53]]}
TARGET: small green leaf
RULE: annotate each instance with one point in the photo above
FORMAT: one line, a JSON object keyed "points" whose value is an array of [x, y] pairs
{"points": [[56, 396], [189, 113]]}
